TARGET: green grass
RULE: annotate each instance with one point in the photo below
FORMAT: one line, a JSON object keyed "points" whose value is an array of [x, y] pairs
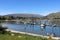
{"points": [[7, 36]]}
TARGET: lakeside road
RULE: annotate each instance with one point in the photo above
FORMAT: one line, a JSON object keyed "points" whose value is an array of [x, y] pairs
{"points": [[57, 38]]}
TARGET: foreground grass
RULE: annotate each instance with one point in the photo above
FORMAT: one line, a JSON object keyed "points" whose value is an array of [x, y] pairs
{"points": [[23, 37]]}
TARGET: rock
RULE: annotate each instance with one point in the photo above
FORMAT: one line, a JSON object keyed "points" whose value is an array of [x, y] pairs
{"points": [[12, 34], [19, 36]]}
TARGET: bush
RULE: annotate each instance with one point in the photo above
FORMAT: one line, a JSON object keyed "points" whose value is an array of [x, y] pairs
{"points": [[2, 29]]}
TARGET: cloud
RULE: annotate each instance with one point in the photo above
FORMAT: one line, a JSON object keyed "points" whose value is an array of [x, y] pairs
{"points": [[4, 12]]}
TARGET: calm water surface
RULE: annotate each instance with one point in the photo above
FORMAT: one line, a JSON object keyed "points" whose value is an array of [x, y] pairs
{"points": [[36, 29]]}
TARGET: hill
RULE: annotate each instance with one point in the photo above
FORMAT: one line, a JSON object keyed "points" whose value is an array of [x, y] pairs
{"points": [[25, 15], [53, 15]]}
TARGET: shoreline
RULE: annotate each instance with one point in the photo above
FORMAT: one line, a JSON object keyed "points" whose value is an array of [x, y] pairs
{"points": [[32, 34]]}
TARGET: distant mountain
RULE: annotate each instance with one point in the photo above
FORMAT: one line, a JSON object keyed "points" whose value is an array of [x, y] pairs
{"points": [[25, 15], [54, 15]]}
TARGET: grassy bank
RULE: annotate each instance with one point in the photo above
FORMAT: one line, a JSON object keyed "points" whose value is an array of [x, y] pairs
{"points": [[17, 36]]}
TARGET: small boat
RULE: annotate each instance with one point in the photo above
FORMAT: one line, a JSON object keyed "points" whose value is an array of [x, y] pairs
{"points": [[54, 25], [43, 26]]}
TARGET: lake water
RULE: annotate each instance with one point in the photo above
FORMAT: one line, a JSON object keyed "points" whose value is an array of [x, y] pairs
{"points": [[36, 29]]}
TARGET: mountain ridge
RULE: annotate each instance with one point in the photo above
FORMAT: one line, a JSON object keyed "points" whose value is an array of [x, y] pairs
{"points": [[25, 15]]}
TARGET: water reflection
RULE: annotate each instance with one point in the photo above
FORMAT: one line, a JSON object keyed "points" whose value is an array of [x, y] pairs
{"points": [[36, 29]]}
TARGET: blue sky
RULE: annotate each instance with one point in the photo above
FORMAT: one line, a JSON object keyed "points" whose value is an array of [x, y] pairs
{"points": [[42, 7]]}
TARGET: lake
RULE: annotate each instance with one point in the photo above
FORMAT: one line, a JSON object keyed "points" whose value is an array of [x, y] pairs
{"points": [[36, 29]]}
